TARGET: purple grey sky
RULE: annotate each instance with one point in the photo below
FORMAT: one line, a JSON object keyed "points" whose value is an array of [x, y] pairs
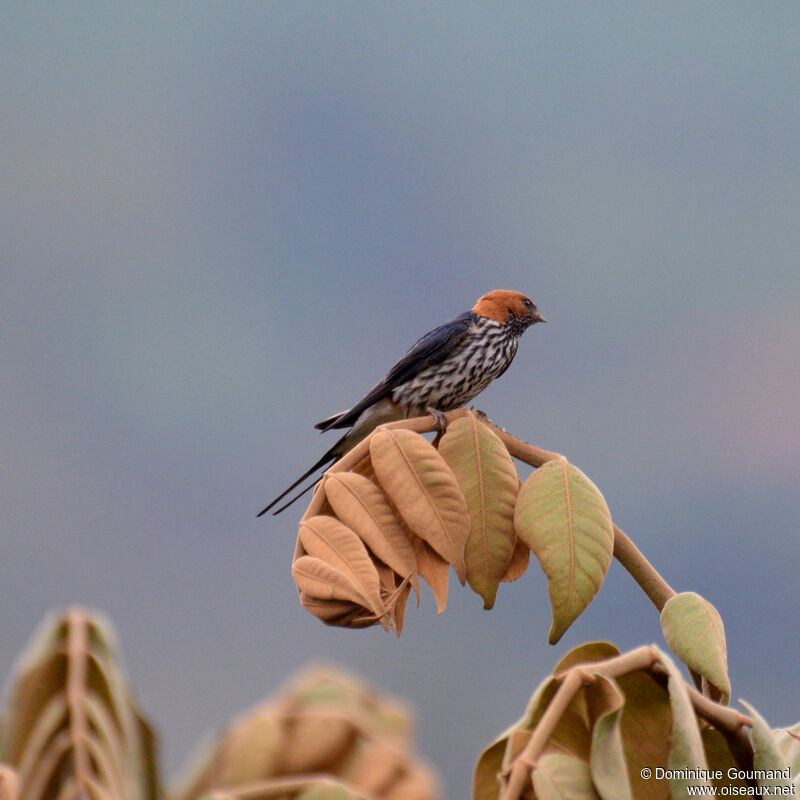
{"points": [[221, 223]]}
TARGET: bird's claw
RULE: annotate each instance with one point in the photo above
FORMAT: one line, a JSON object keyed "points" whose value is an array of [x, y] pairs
{"points": [[439, 420]]}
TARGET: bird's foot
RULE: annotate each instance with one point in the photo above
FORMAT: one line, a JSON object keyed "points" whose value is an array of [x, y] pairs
{"points": [[439, 420], [481, 414]]}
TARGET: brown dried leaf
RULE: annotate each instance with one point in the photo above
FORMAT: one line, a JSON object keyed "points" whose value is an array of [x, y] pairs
{"points": [[395, 591], [247, 752], [340, 613], [318, 579], [318, 789], [364, 468], [425, 492], [434, 570], [8, 783], [388, 578], [398, 608], [721, 758], [586, 653], [314, 742], [362, 506], [489, 482], [316, 724], [645, 725], [520, 558], [374, 766], [418, 783], [328, 539]]}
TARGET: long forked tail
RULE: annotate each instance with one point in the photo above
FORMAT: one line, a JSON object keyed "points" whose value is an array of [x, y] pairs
{"points": [[330, 455], [330, 422]]}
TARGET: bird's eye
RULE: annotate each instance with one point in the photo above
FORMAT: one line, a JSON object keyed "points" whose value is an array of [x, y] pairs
{"points": [[527, 303]]}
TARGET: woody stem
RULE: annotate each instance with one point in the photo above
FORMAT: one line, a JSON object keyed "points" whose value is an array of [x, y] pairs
{"points": [[625, 551]]}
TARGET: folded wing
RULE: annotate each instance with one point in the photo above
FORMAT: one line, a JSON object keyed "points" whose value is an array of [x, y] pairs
{"points": [[432, 348]]}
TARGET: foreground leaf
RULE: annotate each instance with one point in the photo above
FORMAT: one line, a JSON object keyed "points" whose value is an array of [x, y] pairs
{"points": [[485, 781], [562, 777], [326, 732], [607, 762], [499, 755], [766, 755], [787, 741], [72, 729], [561, 515], [424, 491], [246, 752], [687, 751], [329, 790], [489, 482], [694, 632], [8, 783], [720, 757], [646, 728]]}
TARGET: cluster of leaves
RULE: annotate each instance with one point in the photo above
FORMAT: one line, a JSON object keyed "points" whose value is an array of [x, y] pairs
{"points": [[602, 725], [71, 728], [398, 507], [325, 723], [72, 731]]}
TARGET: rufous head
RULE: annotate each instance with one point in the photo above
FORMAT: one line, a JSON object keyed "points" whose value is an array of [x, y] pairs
{"points": [[502, 304]]}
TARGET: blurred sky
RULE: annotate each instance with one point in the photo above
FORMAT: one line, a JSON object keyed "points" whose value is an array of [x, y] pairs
{"points": [[223, 222]]}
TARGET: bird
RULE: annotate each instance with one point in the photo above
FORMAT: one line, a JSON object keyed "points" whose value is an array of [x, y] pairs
{"points": [[442, 371]]}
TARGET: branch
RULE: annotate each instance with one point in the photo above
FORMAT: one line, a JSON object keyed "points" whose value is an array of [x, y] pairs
{"points": [[625, 551]]}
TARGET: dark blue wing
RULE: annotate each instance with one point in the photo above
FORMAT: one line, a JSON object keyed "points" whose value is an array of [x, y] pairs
{"points": [[430, 349]]}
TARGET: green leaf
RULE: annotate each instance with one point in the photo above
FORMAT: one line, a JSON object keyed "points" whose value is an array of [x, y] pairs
{"points": [[562, 777], [607, 763], [687, 744], [766, 755], [562, 516], [694, 632], [489, 482], [788, 743]]}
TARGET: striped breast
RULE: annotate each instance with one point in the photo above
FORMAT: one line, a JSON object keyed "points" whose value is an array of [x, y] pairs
{"points": [[484, 353]]}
